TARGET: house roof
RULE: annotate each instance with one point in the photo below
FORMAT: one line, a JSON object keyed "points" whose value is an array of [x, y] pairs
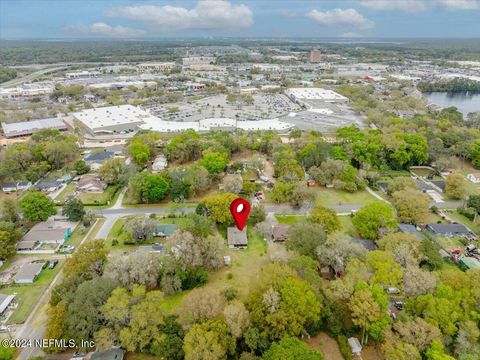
{"points": [[409, 228], [470, 263], [5, 300], [237, 237], [26, 244], [279, 232], [28, 272], [89, 181], [50, 230], [47, 184], [447, 229], [98, 156], [369, 245], [157, 248]]}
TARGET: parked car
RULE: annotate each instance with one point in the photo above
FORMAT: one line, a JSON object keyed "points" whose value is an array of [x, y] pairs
{"points": [[393, 291], [398, 305], [53, 263]]}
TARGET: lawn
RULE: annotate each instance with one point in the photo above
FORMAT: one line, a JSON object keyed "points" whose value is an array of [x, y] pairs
{"points": [[245, 265], [331, 197], [29, 294], [117, 232], [65, 193], [289, 219], [96, 199]]}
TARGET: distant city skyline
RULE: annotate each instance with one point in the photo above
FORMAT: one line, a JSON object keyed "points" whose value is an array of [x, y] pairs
{"points": [[42, 19]]}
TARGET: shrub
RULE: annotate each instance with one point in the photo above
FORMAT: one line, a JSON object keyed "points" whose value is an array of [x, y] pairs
{"points": [[344, 347]]}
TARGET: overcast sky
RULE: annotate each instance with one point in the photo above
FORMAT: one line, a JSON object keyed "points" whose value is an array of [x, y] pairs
{"points": [[136, 19]]}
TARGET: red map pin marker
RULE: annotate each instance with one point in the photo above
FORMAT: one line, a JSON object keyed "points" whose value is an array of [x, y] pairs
{"points": [[240, 209]]}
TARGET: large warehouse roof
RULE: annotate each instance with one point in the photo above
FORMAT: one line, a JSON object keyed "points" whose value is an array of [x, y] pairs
{"points": [[128, 117], [29, 127], [105, 119], [315, 94]]}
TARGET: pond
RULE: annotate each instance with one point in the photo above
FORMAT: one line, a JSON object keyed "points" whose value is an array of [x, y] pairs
{"points": [[464, 102]]}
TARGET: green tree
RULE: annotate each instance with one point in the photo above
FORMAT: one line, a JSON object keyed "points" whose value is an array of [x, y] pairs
{"points": [[217, 208], [437, 352], [8, 211], [140, 152], [474, 154], [455, 186], [374, 220], [9, 236], [290, 348], [83, 317], [412, 205], [208, 341], [112, 171], [365, 311], [305, 238], [325, 217], [36, 206], [81, 167], [214, 162], [73, 209], [386, 271]]}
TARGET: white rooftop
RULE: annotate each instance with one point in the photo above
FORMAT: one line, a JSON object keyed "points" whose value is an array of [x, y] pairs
{"points": [[99, 118], [27, 127], [315, 94]]}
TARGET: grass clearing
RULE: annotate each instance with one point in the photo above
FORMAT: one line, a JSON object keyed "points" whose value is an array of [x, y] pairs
{"points": [[95, 199], [331, 197], [289, 219], [245, 265]]}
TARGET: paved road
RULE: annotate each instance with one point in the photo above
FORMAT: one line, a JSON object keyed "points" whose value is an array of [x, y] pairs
{"points": [[34, 327], [111, 215]]}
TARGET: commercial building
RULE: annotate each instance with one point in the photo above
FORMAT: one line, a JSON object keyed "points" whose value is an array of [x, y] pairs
{"points": [[198, 60], [82, 75], [315, 56], [302, 94], [112, 119], [27, 128], [158, 66]]}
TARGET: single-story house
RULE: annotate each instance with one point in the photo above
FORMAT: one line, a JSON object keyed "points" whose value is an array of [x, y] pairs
{"points": [[237, 239], [90, 183], [159, 164], [28, 273], [164, 230], [156, 248], [449, 230], [5, 301], [9, 187], [96, 159], [279, 232], [474, 178], [409, 228], [383, 186], [20, 185], [112, 354], [50, 231], [48, 185], [369, 245]]}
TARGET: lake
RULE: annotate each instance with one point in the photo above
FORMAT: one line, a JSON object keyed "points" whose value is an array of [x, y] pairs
{"points": [[464, 102]]}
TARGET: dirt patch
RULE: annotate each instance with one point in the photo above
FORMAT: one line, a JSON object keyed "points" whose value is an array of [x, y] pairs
{"points": [[327, 345], [371, 353]]}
